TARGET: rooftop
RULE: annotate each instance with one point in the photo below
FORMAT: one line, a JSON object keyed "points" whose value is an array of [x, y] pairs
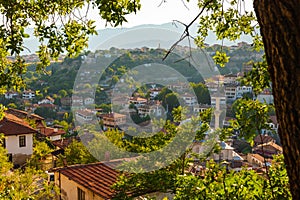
{"points": [[52, 131], [23, 114], [272, 144], [12, 125], [97, 177], [113, 115], [261, 139]]}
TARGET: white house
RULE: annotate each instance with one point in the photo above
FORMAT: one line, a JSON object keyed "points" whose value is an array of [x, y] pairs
{"points": [[212, 86], [227, 120], [230, 79], [84, 115], [155, 110], [227, 152], [52, 133], [10, 95], [190, 100], [240, 90], [88, 101], [137, 101], [77, 101], [214, 100], [274, 123], [18, 138], [230, 91], [47, 100], [178, 86], [266, 97], [28, 94], [154, 92], [201, 108]]}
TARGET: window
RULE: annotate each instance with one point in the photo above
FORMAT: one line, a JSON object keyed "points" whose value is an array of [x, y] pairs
{"points": [[80, 194], [22, 141], [51, 178]]}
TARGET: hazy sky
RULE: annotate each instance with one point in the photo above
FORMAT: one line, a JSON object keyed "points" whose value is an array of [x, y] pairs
{"points": [[155, 12], [152, 13]]}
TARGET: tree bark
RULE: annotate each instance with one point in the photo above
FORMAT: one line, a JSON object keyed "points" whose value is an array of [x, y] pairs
{"points": [[279, 22]]}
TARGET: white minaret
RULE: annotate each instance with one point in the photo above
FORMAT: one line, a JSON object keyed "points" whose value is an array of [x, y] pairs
{"points": [[218, 97], [217, 112]]}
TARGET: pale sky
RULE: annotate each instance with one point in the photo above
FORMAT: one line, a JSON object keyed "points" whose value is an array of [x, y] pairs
{"points": [[152, 13]]}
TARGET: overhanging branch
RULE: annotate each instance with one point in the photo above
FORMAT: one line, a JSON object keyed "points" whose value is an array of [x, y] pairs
{"points": [[186, 32]]}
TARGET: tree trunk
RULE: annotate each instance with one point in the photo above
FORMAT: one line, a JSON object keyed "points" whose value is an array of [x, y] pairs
{"points": [[279, 21]]}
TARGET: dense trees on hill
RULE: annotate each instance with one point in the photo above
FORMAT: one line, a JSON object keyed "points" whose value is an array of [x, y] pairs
{"points": [[58, 84]]}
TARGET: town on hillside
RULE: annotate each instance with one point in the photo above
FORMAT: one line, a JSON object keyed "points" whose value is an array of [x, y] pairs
{"points": [[73, 134]]}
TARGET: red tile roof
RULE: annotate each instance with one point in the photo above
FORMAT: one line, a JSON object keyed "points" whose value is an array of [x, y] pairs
{"points": [[23, 114], [52, 131], [12, 125], [272, 144], [112, 115], [263, 139], [258, 157], [97, 177], [85, 112], [63, 143], [47, 105]]}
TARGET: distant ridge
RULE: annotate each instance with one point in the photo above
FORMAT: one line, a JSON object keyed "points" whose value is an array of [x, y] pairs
{"points": [[137, 36]]}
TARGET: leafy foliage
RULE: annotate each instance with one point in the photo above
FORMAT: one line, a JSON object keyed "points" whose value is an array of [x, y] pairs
{"points": [[251, 117], [75, 153], [40, 152], [258, 77], [217, 183]]}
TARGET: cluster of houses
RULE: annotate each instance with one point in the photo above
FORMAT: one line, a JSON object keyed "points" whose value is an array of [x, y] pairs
{"points": [[26, 94], [234, 90], [73, 185], [135, 104], [94, 181]]}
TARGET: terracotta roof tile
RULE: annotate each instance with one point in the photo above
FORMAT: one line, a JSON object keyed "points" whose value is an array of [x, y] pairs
{"points": [[263, 139], [112, 115], [63, 143], [12, 125], [52, 131], [97, 177], [47, 105], [272, 144], [258, 157], [23, 114]]}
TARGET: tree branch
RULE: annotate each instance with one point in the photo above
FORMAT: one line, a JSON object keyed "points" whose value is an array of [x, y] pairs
{"points": [[186, 32]]}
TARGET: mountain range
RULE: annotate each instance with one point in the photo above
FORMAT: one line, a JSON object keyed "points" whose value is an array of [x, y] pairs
{"points": [[147, 35]]}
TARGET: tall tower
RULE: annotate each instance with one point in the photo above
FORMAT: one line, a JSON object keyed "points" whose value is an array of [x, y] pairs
{"points": [[218, 100], [217, 112]]}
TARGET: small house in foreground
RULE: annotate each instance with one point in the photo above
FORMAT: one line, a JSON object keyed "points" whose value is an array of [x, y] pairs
{"points": [[18, 138]]}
